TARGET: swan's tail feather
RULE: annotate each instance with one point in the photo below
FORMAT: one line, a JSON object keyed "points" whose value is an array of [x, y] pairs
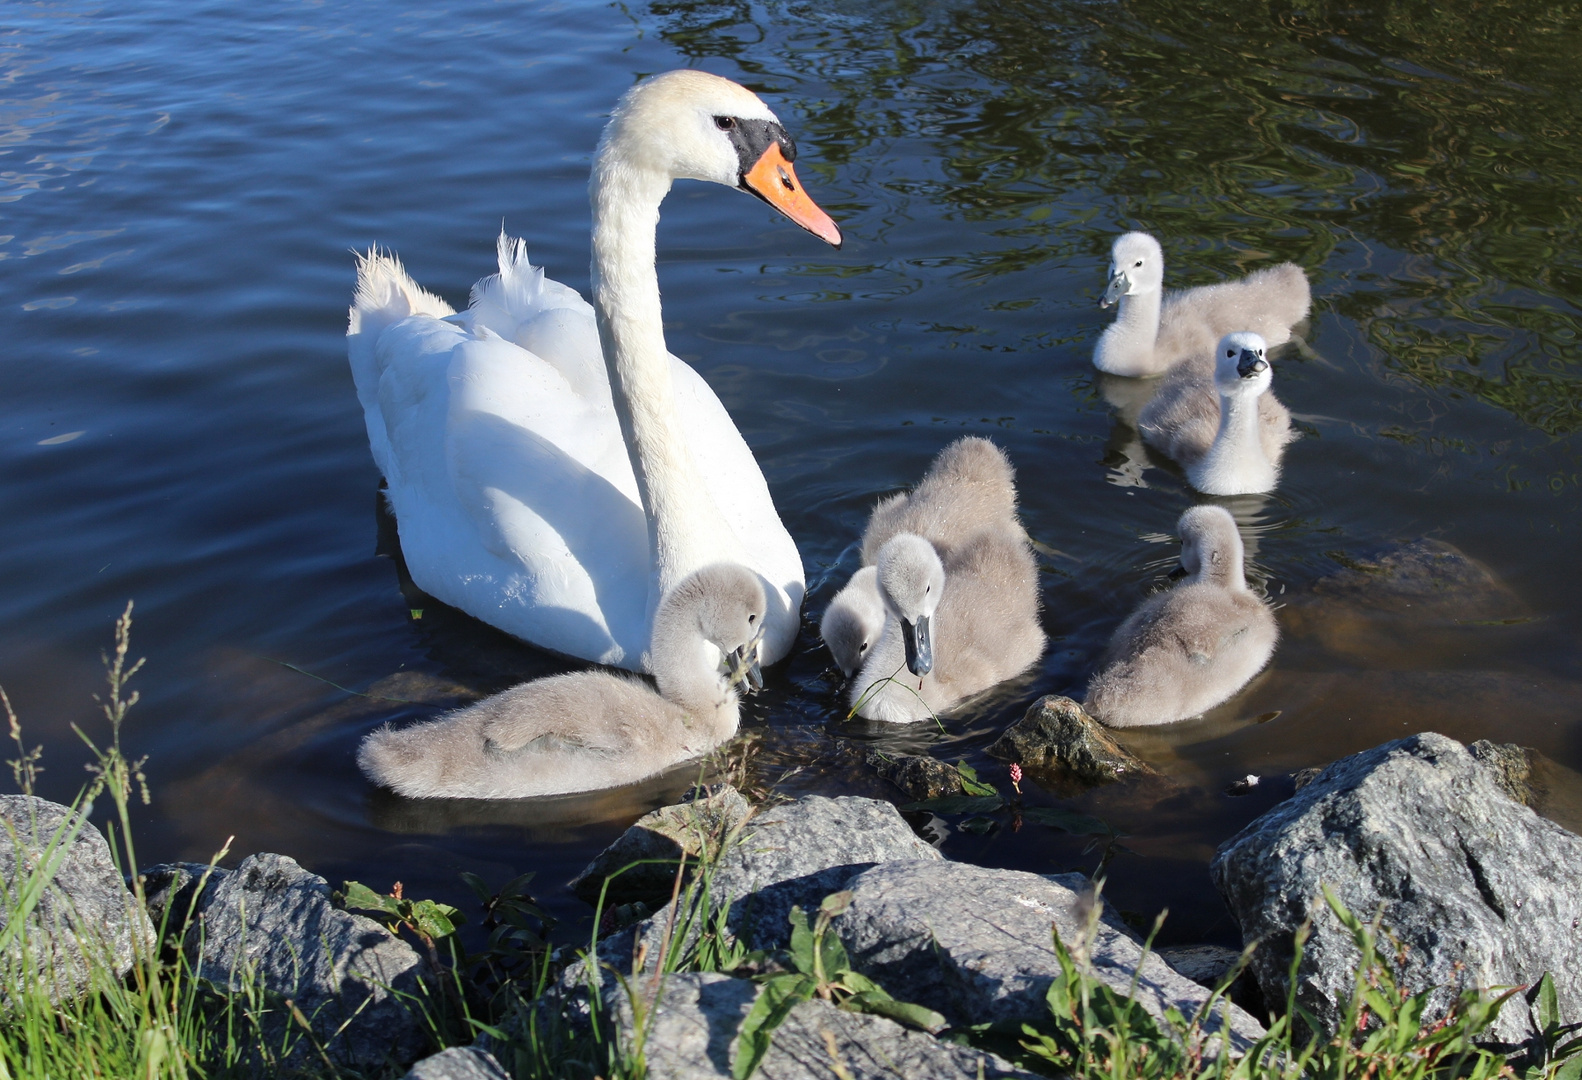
{"points": [[387, 294], [502, 302]]}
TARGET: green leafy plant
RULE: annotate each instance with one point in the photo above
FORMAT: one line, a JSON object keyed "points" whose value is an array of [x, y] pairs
{"points": [[1561, 1056], [821, 968]]}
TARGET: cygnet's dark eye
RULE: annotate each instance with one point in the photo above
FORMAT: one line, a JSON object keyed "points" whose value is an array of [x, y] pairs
{"points": [[1139, 262], [1230, 352], [863, 647], [752, 617], [724, 123]]}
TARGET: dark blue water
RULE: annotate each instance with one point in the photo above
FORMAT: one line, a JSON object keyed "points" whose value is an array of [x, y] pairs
{"points": [[181, 186]]}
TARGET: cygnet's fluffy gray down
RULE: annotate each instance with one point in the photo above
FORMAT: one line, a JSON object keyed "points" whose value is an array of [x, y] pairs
{"points": [[592, 729], [978, 612], [1185, 650], [1217, 417], [853, 620], [1154, 330], [970, 487]]}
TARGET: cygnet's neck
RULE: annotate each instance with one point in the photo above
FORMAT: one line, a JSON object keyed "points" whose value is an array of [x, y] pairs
{"points": [[686, 666], [685, 528], [1235, 464], [1220, 561], [1127, 347]]}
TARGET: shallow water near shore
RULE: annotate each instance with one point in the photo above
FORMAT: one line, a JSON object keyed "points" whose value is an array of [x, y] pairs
{"points": [[181, 187]]}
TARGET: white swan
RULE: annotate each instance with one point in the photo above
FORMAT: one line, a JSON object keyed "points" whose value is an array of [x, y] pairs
{"points": [[953, 630], [1153, 331], [970, 487], [592, 729], [549, 485], [1217, 418], [1185, 650]]}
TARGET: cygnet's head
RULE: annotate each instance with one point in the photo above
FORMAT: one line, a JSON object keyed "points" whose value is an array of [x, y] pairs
{"points": [[853, 620], [720, 607], [911, 581], [1211, 547], [1241, 367], [1137, 265], [690, 125]]}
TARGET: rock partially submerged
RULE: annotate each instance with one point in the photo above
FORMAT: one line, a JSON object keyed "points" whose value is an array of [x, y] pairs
{"points": [[1057, 734], [920, 776], [658, 840], [1479, 890], [458, 1063], [84, 918], [692, 1035]]}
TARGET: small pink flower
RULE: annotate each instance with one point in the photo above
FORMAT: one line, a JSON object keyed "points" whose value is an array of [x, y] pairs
{"points": [[1016, 778]]}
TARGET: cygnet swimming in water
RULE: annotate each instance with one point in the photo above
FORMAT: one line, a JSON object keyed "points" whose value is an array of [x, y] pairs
{"points": [[853, 620], [1154, 330], [1217, 418], [952, 629], [593, 729], [1185, 650], [969, 488]]}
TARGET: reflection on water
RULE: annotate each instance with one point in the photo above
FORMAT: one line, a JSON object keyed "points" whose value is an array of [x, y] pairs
{"points": [[179, 188]]}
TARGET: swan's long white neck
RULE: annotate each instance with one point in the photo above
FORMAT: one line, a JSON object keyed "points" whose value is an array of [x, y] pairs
{"points": [[685, 528], [1235, 463], [1127, 347]]}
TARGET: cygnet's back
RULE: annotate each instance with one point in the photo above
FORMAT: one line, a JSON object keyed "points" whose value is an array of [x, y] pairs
{"points": [[1155, 330], [592, 729], [970, 487], [1186, 650], [1187, 417], [985, 630]]}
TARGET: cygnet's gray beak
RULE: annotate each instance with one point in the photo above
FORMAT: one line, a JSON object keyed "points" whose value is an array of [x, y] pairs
{"points": [[1250, 364], [1119, 285], [742, 666], [919, 646]]}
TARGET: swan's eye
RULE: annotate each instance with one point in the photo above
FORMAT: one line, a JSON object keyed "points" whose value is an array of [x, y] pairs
{"points": [[1139, 262], [1230, 352], [863, 647], [752, 617], [724, 123]]}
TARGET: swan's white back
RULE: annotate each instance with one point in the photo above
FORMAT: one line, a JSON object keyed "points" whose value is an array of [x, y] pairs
{"points": [[512, 485]]}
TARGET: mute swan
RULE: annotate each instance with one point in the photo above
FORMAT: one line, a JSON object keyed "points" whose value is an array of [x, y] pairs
{"points": [[969, 487], [553, 469], [593, 729], [1185, 650], [1217, 418], [1153, 331], [958, 628]]}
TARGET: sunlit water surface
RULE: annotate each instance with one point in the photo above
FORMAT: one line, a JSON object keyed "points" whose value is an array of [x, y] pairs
{"points": [[181, 187]]}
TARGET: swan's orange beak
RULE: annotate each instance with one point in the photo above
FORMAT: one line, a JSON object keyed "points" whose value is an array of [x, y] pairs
{"points": [[774, 181]]}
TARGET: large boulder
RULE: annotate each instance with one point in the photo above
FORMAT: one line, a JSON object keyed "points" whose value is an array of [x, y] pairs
{"points": [[84, 920], [976, 945], [271, 924], [1056, 734], [691, 1035], [458, 1063], [1478, 890]]}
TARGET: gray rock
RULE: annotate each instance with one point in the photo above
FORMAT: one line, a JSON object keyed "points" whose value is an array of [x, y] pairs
{"points": [[920, 776], [1428, 578], [790, 855], [458, 1063], [1205, 965], [273, 922], [1057, 734], [1510, 765], [696, 828], [170, 892], [975, 944], [1478, 890], [692, 1036], [85, 919]]}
